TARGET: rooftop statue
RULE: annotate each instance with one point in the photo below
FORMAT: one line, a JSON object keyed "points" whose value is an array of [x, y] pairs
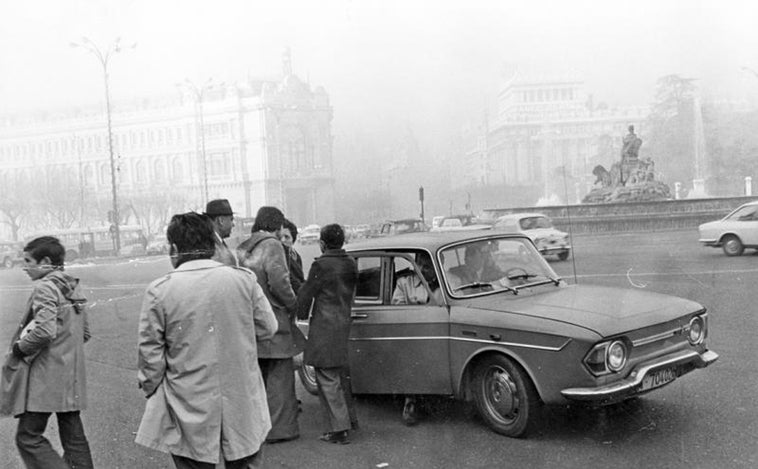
{"points": [[633, 179]]}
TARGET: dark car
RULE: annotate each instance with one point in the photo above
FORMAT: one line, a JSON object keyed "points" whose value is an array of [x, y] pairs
{"points": [[402, 226], [11, 254], [507, 333]]}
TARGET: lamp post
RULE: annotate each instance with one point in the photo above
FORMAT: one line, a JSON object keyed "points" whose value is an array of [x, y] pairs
{"points": [[104, 57], [198, 93]]}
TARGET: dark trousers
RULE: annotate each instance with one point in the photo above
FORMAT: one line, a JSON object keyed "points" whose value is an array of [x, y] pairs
{"points": [[279, 376], [250, 462], [36, 450]]}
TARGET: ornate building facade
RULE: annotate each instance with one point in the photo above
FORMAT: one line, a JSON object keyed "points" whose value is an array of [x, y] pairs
{"points": [[544, 126], [263, 142]]}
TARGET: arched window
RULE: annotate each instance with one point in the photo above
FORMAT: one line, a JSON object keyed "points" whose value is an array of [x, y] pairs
{"points": [[159, 170], [105, 174], [88, 175], [140, 175]]}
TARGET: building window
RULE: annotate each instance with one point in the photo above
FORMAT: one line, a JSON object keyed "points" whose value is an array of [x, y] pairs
{"points": [[177, 169], [159, 171], [219, 164], [140, 175], [104, 174]]}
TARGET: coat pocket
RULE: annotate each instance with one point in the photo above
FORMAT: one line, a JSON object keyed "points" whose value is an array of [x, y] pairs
{"points": [[14, 384]]}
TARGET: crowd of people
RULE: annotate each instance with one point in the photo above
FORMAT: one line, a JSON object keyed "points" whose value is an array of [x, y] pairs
{"points": [[216, 342]]}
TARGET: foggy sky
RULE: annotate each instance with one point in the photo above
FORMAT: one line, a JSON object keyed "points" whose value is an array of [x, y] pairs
{"points": [[426, 63]]}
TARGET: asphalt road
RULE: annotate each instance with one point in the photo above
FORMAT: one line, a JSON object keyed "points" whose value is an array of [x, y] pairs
{"points": [[708, 419]]}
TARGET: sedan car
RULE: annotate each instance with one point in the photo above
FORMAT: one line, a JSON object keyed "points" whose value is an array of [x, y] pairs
{"points": [[734, 232], [309, 235], [540, 229], [501, 329]]}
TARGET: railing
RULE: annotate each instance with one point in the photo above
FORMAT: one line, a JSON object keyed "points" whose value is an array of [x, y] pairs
{"points": [[632, 216]]}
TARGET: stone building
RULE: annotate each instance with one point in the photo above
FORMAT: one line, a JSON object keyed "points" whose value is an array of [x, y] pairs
{"points": [[541, 125], [263, 142]]}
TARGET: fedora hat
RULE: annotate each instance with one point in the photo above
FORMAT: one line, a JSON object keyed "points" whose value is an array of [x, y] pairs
{"points": [[218, 207]]}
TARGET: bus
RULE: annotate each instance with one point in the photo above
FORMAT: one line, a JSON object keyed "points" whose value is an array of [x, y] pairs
{"points": [[97, 241]]}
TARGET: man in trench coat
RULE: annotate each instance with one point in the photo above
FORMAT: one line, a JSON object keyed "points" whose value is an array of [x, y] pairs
{"points": [[198, 363], [328, 295]]}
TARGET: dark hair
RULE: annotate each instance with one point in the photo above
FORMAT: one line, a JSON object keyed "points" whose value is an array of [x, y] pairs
{"points": [[291, 226], [193, 235], [46, 246], [268, 219], [333, 236]]}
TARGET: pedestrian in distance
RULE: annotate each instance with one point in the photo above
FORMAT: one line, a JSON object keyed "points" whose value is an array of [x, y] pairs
{"points": [[263, 253], [198, 367], [220, 213], [327, 297], [47, 353]]}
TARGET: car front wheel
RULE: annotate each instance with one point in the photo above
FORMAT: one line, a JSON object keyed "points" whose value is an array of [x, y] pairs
{"points": [[505, 396], [732, 246], [307, 376]]}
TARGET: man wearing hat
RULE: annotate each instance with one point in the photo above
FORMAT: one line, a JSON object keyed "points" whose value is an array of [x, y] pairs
{"points": [[220, 212]]}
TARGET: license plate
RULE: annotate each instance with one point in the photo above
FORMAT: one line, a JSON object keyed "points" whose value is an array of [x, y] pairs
{"points": [[658, 378]]}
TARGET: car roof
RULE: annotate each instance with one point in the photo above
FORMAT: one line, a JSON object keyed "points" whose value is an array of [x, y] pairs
{"points": [[428, 240]]}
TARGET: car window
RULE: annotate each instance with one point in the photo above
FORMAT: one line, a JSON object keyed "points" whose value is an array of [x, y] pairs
{"points": [[747, 213], [368, 289]]}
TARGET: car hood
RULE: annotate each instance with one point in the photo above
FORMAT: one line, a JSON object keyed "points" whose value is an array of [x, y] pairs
{"points": [[604, 310]]}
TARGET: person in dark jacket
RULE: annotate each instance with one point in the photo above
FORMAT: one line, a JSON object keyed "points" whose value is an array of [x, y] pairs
{"points": [[288, 236], [328, 295], [263, 253]]}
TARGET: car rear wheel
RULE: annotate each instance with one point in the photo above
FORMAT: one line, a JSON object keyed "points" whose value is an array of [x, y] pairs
{"points": [[563, 255], [505, 396], [732, 246], [307, 376]]}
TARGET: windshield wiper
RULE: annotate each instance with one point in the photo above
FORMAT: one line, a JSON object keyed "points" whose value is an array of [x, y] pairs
{"points": [[485, 285], [555, 281]]}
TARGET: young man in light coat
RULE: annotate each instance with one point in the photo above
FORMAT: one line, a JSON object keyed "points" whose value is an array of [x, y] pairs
{"points": [[52, 342], [198, 363]]}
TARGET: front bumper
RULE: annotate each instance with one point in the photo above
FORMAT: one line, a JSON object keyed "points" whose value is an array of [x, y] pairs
{"points": [[710, 242], [681, 364]]}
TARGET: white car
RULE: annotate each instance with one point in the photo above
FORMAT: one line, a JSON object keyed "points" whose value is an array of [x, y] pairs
{"points": [[310, 234], [734, 232], [539, 229]]}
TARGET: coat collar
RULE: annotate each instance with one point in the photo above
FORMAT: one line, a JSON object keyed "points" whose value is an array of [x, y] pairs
{"points": [[198, 264]]}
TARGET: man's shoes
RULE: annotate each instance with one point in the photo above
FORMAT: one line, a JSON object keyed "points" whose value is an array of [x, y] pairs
{"points": [[339, 438], [409, 412], [273, 441]]}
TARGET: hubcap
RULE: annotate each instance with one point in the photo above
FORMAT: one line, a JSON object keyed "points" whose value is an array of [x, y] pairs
{"points": [[501, 394], [732, 246]]}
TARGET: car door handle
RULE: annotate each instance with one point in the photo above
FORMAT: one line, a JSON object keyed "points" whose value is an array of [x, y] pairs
{"points": [[359, 316], [469, 333], [495, 337]]}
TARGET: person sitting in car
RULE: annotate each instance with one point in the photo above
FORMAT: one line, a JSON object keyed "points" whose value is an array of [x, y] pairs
{"points": [[478, 267]]}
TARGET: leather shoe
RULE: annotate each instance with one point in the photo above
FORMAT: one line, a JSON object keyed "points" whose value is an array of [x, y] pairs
{"points": [[409, 413], [339, 438], [273, 441]]}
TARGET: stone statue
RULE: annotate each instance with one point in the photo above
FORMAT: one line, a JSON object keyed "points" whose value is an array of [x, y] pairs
{"points": [[631, 146]]}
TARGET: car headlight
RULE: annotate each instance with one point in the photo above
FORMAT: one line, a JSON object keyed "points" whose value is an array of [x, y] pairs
{"points": [[607, 357], [696, 330]]}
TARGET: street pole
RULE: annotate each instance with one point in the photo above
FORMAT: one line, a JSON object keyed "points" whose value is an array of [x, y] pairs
{"points": [[104, 58], [198, 93]]}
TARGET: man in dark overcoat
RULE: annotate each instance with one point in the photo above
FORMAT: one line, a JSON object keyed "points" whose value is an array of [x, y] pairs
{"points": [[328, 296]]}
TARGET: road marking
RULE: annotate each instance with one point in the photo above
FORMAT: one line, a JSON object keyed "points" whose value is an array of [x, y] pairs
{"points": [[649, 274]]}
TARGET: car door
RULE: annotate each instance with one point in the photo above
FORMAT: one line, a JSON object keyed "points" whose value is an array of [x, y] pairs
{"points": [[396, 349]]}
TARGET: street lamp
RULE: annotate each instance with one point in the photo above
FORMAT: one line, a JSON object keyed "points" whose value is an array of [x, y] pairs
{"points": [[198, 92], [104, 57]]}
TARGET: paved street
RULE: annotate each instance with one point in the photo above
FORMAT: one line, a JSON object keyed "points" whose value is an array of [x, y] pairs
{"points": [[708, 419]]}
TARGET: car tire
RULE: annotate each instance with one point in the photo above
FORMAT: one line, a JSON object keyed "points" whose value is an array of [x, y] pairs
{"points": [[563, 255], [505, 396], [732, 245], [307, 376]]}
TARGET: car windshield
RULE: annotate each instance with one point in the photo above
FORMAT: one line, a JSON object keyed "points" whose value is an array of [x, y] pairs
{"points": [[494, 264], [746, 213], [533, 223]]}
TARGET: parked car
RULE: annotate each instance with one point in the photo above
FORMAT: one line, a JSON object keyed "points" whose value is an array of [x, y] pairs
{"points": [[539, 229], [734, 232], [406, 225], [460, 222], [159, 245], [515, 339], [11, 253], [310, 234]]}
